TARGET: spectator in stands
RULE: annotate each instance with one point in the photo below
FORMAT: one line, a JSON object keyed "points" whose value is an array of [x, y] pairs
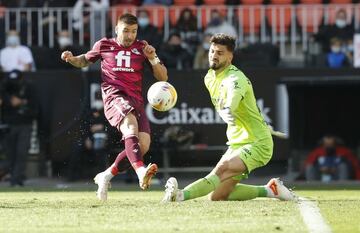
{"points": [[15, 56], [18, 112], [218, 24], [187, 27], [201, 60], [336, 58], [47, 19], [20, 23], [341, 29], [96, 6], [64, 42], [331, 161], [174, 55], [348, 49], [146, 31]]}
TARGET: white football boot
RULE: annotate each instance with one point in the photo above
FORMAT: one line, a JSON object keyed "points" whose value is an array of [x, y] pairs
{"points": [[278, 190], [171, 190], [145, 180], [103, 185]]}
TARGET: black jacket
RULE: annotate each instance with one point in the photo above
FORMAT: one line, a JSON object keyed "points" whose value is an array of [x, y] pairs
{"points": [[26, 111]]}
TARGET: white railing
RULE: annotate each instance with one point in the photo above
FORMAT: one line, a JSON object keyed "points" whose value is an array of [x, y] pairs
{"points": [[288, 26]]}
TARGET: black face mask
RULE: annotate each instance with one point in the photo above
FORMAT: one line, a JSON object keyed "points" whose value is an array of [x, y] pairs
{"points": [[330, 151], [175, 48]]}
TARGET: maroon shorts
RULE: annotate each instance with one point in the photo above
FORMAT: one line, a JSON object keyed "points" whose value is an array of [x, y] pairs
{"points": [[118, 104]]}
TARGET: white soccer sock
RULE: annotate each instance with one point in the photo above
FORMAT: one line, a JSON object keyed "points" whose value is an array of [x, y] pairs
{"points": [[269, 191], [108, 174], [140, 172]]}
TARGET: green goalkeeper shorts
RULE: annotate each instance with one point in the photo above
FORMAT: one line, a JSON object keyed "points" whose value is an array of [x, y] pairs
{"points": [[254, 155]]}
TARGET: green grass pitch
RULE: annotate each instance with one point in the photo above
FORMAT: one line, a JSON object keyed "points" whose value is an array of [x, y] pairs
{"points": [[25, 210]]}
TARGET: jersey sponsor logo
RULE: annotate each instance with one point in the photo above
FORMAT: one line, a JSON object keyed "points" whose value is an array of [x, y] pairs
{"points": [[123, 61], [185, 115]]}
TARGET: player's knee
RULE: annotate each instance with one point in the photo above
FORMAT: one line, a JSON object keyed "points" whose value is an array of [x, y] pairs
{"points": [[221, 168], [129, 125]]}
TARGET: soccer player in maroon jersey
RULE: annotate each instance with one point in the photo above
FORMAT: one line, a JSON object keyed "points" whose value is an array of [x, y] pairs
{"points": [[122, 64]]}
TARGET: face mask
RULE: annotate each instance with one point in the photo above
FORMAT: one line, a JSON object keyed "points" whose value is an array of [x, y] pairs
{"points": [[143, 22], [12, 41], [340, 23], [335, 49], [215, 22], [206, 46], [64, 41], [175, 48], [98, 105], [350, 48]]}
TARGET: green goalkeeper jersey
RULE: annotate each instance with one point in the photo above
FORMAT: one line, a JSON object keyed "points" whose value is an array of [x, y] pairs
{"points": [[232, 89]]}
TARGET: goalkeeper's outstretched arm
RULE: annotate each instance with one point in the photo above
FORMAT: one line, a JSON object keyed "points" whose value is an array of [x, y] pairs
{"points": [[77, 61]]}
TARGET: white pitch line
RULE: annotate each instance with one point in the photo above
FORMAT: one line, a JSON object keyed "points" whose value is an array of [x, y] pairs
{"points": [[312, 216]]}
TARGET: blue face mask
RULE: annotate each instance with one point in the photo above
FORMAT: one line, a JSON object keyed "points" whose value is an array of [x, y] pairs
{"points": [[12, 41], [206, 46], [335, 49], [143, 22], [340, 23], [215, 22]]}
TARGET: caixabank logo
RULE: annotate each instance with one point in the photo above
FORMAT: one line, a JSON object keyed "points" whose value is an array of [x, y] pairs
{"points": [[187, 114]]}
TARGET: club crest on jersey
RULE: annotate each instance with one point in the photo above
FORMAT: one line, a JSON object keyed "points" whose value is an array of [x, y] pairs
{"points": [[134, 50], [112, 48]]}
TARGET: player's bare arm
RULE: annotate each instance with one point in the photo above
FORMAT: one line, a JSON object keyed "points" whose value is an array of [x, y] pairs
{"points": [[77, 61], [159, 70]]}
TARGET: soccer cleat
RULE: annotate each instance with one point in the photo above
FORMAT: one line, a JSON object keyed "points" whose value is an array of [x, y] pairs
{"points": [[171, 190], [151, 170], [280, 191], [103, 186]]}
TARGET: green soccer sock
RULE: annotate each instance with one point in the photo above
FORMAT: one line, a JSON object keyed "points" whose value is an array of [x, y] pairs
{"points": [[244, 192], [201, 187]]}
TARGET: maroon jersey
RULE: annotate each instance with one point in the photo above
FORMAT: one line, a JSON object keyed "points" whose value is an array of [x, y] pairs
{"points": [[120, 67]]}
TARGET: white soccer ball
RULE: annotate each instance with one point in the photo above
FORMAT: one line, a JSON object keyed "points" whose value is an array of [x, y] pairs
{"points": [[162, 96]]}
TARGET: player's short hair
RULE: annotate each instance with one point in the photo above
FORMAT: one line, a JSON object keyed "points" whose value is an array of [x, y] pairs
{"points": [[223, 39], [128, 19]]}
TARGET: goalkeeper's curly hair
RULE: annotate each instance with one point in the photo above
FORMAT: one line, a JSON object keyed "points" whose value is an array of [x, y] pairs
{"points": [[223, 39]]}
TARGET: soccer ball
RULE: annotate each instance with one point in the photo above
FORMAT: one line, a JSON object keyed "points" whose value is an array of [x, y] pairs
{"points": [[162, 96]]}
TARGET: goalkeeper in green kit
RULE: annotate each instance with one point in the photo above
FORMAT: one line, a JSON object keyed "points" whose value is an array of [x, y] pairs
{"points": [[249, 138]]}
